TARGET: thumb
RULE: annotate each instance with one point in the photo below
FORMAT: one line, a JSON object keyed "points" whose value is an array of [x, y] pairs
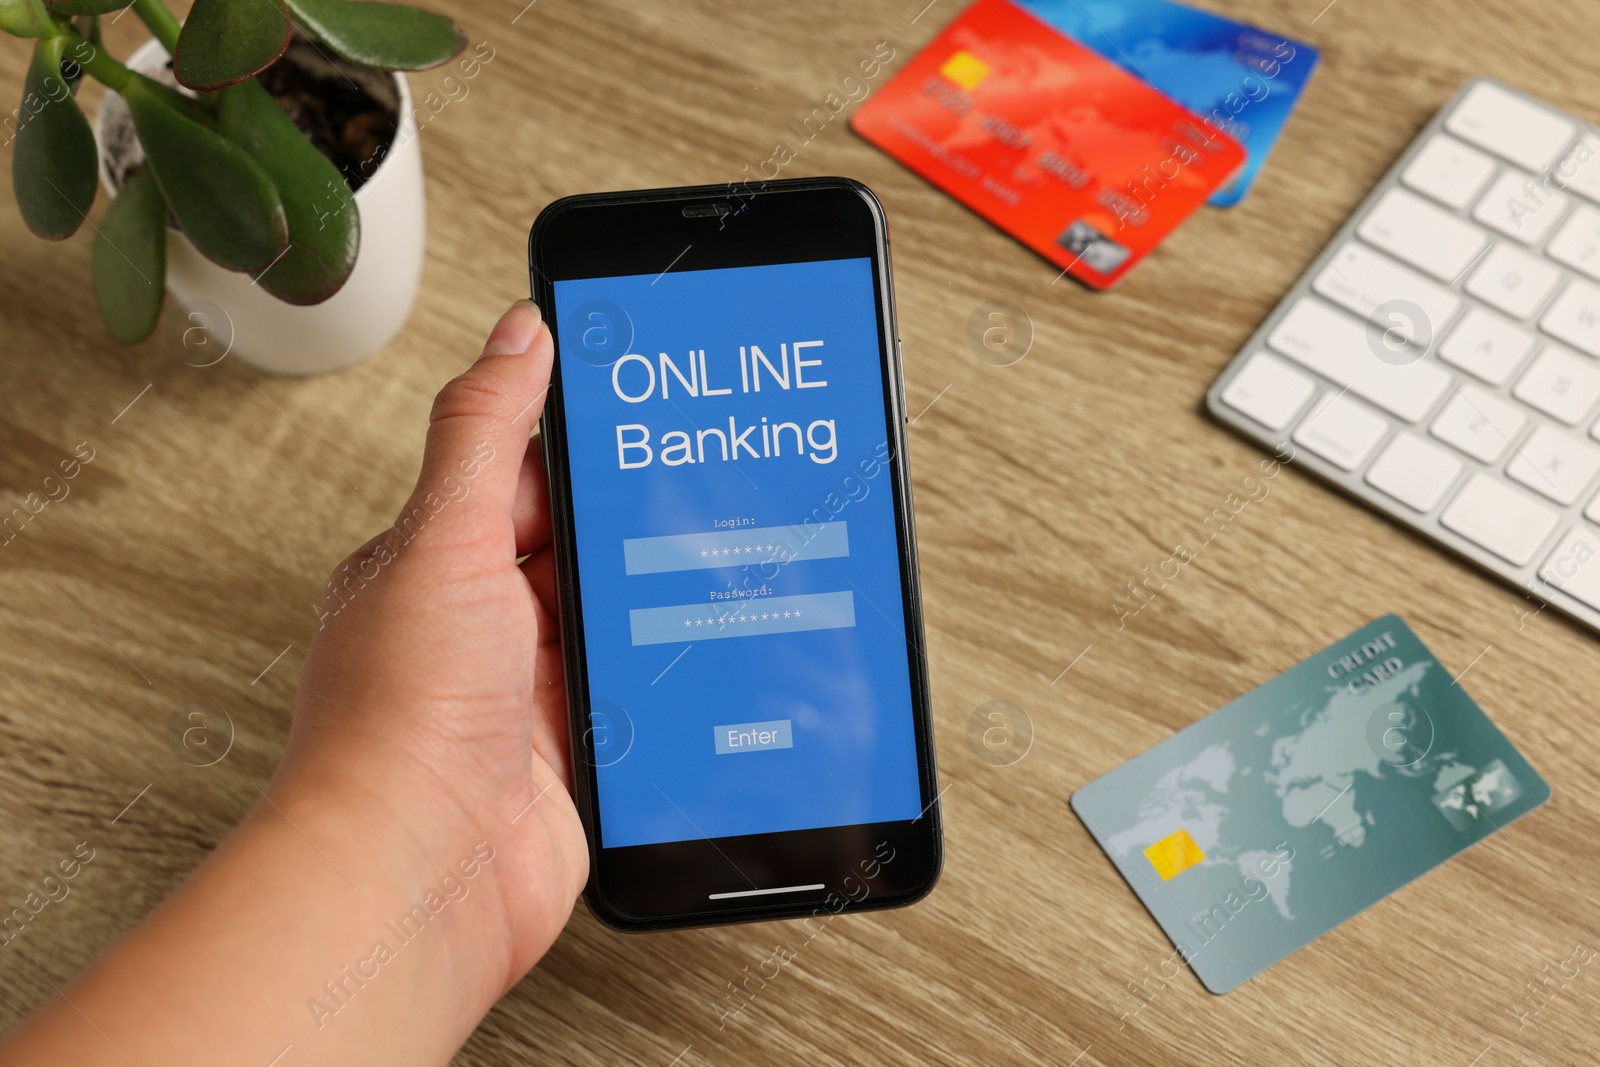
{"points": [[477, 435]]}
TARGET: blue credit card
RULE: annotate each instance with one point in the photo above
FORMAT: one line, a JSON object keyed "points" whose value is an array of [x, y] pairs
{"points": [[1266, 824], [1245, 81]]}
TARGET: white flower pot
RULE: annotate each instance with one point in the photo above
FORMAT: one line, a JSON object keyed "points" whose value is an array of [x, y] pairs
{"points": [[356, 321]]}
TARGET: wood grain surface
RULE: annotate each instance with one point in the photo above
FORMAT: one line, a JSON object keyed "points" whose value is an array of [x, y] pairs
{"points": [[184, 564]]}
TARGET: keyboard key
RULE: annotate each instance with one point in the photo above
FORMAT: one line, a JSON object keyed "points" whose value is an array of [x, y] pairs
{"points": [[1522, 206], [1552, 463], [1268, 390], [1575, 317], [1579, 172], [1487, 345], [1430, 238], [1448, 171], [1574, 566], [1336, 346], [1479, 423], [1342, 431], [1500, 517], [1512, 280], [1578, 243], [1508, 125], [1365, 282], [1415, 472], [1562, 384]]}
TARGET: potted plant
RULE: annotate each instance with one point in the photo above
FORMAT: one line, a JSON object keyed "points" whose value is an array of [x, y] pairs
{"points": [[221, 195]]}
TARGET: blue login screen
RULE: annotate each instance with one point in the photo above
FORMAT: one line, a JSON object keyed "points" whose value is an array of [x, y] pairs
{"points": [[737, 557]]}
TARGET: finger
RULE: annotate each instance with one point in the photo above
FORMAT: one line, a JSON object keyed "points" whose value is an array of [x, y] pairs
{"points": [[530, 514], [550, 696], [540, 570], [478, 435], [550, 729]]}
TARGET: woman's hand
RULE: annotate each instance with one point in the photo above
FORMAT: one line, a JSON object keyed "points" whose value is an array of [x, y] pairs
{"points": [[417, 850], [434, 684]]}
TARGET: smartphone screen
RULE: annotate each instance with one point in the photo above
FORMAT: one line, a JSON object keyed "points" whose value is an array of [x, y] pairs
{"points": [[732, 511], [737, 551]]}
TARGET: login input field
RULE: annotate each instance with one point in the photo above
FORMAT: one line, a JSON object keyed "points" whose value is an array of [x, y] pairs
{"points": [[737, 547]]}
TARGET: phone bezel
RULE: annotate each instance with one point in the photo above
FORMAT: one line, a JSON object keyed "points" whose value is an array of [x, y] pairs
{"points": [[650, 887]]}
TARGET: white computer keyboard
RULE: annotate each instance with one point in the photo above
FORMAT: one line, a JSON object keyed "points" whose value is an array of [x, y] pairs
{"points": [[1440, 360]]}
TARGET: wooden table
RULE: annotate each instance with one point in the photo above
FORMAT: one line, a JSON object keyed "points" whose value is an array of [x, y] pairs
{"points": [[184, 565]]}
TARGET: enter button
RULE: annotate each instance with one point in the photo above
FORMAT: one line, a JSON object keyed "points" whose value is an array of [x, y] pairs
{"points": [[753, 736]]}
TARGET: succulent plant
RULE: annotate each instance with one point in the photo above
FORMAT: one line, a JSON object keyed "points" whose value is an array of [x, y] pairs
{"points": [[228, 164]]}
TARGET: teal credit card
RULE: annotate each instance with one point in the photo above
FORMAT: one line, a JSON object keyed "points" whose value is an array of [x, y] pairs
{"points": [[1274, 819]]}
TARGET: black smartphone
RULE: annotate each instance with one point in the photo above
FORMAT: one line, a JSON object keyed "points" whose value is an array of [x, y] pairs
{"points": [[741, 618]]}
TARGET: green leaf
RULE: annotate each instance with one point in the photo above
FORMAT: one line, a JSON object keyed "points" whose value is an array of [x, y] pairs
{"points": [[225, 202], [55, 165], [201, 110], [226, 41], [375, 34], [324, 222], [86, 7], [130, 259], [24, 18]]}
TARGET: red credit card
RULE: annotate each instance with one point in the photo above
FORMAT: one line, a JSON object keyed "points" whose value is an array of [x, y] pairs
{"points": [[1064, 150]]}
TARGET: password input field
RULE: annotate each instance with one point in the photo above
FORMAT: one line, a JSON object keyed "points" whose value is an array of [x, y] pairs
{"points": [[748, 618]]}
